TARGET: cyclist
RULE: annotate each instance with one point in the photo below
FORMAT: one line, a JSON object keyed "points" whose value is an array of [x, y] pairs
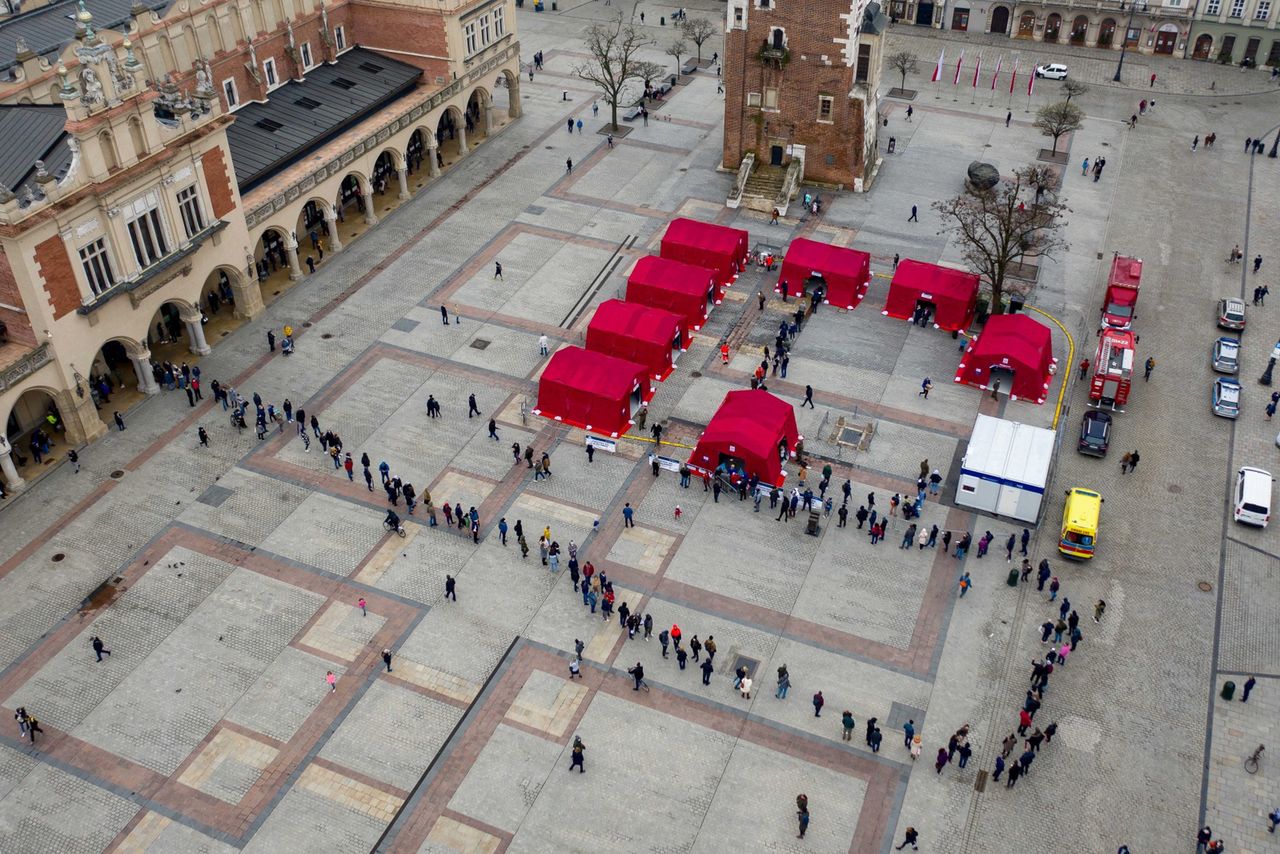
{"points": [[392, 522]]}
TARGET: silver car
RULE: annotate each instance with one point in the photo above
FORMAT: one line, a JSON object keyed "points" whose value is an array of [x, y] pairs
{"points": [[1226, 397], [1231, 313], [1226, 355]]}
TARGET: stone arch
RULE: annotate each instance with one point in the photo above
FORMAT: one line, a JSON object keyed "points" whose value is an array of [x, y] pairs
{"points": [[37, 440], [476, 115], [1052, 27], [218, 292], [1079, 30], [120, 363], [353, 194], [107, 145], [270, 251], [214, 29], [1027, 25], [1204, 47], [451, 136], [25, 415], [418, 148], [1107, 32], [175, 326], [168, 58], [999, 20]]}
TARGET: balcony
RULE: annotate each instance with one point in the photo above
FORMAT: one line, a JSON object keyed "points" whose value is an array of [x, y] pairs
{"points": [[771, 54]]}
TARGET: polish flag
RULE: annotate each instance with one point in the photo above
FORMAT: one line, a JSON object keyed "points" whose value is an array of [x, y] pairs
{"points": [[976, 70], [937, 71], [996, 76], [959, 62], [1013, 78], [1031, 81]]}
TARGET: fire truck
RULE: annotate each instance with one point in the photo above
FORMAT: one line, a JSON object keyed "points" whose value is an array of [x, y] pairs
{"points": [[1121, 300], [1113, 368]]}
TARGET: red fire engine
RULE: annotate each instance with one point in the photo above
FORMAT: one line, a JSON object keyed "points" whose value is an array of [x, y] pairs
{"points": [[1121, 300], [1113, 368]]}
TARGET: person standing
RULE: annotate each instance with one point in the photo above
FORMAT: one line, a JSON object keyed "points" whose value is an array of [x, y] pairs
{"points": [[450, 588], [386, 659], [1248, 687], [908, 732], [802, 814], [119, 419], [579, 749], [444, 314], [628, 514], [999, 768], [333, 682], [784, 683], [941, 760], [201, 434]]}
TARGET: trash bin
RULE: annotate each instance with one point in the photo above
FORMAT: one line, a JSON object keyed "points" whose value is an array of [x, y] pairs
{"points": [[1228, 689], [812, 527], [1012, 580]]}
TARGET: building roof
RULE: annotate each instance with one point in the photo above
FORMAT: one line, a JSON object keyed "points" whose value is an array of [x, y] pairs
{"points": [[300, 116], [32, 133], [48, 29]]}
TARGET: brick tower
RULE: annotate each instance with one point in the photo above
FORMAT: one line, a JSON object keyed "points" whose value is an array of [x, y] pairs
{"points": [[801, 83]]}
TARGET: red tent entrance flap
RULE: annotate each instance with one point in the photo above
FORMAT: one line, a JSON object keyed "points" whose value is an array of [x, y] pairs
{"points": [[671, 286], [747, 428], [953, 294], [1016, 343], [705, 244], [847, 272], [636, 333], [591, 390]]}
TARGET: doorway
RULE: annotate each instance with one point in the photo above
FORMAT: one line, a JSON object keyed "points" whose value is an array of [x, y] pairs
{"points": [[1003, 375], [924, 14], [1204, 44], [776, 153], [1000, 20], [960, 19], [1166, 39], [1228, 48], [1251, 52]]}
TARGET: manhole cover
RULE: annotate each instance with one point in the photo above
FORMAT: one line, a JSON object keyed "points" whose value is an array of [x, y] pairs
{"points": [[58, 557], [117, 474], [696, 374], [1205, 586], [480, 343], [325, 336], [307, 325], [1175, 489], [549, 147], [684, 169]]}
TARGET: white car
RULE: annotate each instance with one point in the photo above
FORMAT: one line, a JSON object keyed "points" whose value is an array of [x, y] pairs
{"points": [[1054, 71]]}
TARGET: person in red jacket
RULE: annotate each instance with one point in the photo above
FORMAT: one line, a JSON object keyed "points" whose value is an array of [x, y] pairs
{"points": [[675, 635], [1024, 721]]}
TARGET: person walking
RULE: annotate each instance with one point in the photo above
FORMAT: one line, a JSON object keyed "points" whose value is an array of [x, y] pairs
{"points": [[119, 419], [942, 759], [913, 217], [707, 669], [579, 749], [808, 397], [386, 659], [1148, 368], [910, 838], [818, 702], [784, 683], [802, 814], [908, 732], [497, 270], [472, 408], [333, 682], [450, 587], [201, 434], [98, 648], [1248, 687]]}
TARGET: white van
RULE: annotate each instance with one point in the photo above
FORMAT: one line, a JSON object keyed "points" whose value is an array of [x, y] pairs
{"points": [[1253, 496]]}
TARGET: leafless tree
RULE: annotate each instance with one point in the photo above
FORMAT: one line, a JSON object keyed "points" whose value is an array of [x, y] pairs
{"points": [[999, 228], [1074, 89], [1057, 119], [613, 46], [698, 31], [904, 62], [648, 72], [676, 50]]}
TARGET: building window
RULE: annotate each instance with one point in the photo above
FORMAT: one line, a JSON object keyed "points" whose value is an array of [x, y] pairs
{"points": [[737, 17], [229, 92], [189, 207], [269, 72], [753, 99], [499, 23], [771, 99], [97, 266], [1237, 8], [484, 31], [863, 68], [340, 38], [826, 106], [1263, 11], [470, 32], [146, 233], [1213, 7], [305, 52]]}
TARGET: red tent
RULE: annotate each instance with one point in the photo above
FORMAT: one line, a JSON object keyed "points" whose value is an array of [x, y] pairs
{"points": [[636, 333], [747, 427], [671, 286], [590, 390], [953, 294], [847, 272], [1011, 342], [718, 247]]}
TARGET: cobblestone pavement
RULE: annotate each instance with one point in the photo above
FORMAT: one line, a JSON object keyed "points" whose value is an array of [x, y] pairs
{"points": [[227, 582]]}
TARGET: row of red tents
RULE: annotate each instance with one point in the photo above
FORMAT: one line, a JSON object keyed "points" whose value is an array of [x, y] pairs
{"points": [[633, 342]]}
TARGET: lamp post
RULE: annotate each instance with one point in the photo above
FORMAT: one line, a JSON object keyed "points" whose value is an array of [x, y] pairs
{"points": [[1274, 146], [1265, 379], [1124, 40]]}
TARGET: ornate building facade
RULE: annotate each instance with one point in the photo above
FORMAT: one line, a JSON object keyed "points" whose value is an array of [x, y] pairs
{"points": [[167, 175]]}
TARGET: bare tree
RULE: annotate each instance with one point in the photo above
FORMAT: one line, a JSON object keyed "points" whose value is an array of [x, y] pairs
{"points": [[676, 49], [1057, 119], [997, 228], [648, 71], [904, 62], [613, 46], [1074, 89], [698, 31]]}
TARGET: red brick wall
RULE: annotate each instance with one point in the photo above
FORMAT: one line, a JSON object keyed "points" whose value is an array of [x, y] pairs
{"points": [[54, 264], [17, 322], [402, 29], [231, 63], [217, 178], [810, 29]]}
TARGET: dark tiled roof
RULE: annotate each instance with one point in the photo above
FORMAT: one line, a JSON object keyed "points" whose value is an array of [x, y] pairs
{"points": [[49, 29], [300, 116], [32, 133]]}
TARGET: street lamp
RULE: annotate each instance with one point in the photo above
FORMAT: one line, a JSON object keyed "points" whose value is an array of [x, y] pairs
{"points": [[1124, 41], [1265, 379], [1275, 145]]}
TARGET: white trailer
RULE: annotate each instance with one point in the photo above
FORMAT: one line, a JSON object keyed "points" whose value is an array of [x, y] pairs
{"points": [[1005, 469]]}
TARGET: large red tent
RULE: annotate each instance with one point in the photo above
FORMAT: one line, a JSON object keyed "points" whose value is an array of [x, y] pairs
{"points": [[590, 390], [953, 294], [1011, 342], [636, 333], [671, 286], [847, 272], [717, 247], [747, 427]]}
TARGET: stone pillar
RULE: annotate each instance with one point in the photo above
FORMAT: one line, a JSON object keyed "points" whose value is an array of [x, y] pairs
{"points": [[12, 481], [79, 417], [142, 367], [370, 217], [403, 174], [513, 96], [331, 226], [247, 293], [291, 252], [195, 331], [433, 152], [462, 138]]}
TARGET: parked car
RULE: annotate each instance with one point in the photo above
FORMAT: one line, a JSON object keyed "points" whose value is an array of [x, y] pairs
{"points": [[1226, 355], [1231, 313], [1252, 498], [1095, 433], [1226, 397], [1053, 71]]}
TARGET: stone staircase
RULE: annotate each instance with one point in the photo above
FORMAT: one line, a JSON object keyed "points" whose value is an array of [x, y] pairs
{"points": [[763, 188]]}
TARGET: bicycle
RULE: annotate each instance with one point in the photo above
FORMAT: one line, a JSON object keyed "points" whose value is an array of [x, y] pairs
{"points": [[237, 421], [1251, 763], [399, 528]]}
